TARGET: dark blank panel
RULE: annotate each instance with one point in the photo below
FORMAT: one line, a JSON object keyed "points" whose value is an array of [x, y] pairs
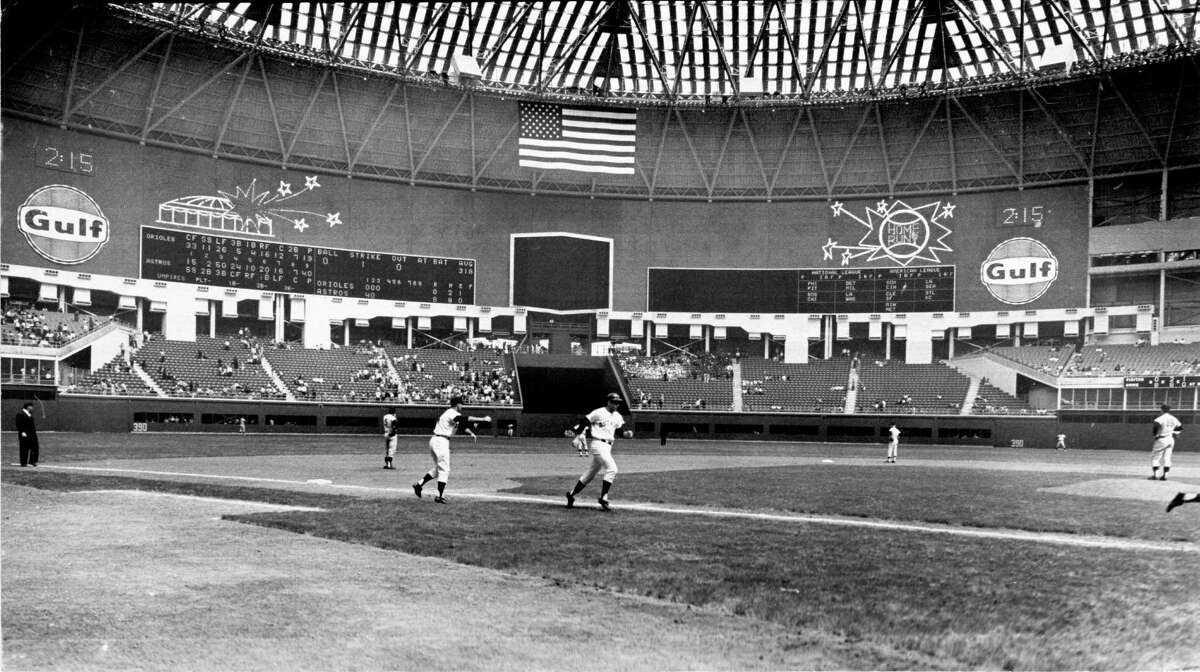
{"points": [[561, 273], [692, 290]]}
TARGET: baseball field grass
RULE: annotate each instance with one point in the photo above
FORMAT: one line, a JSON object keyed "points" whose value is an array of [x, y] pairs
{"points": [[914, 593]]}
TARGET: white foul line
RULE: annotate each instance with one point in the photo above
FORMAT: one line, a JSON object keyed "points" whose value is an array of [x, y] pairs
{"points": [[1091, 541]]}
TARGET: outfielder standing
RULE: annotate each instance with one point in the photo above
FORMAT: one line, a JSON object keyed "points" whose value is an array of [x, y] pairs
{"points": [[1166, 428], [893, 443], [448, 424], [389, 438], [600, 426]]}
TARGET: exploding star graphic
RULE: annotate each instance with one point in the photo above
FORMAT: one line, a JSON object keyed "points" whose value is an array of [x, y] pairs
{"points": [[895, 231], [258, 210]]}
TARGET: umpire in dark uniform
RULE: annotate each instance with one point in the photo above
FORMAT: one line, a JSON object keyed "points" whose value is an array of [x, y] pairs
{"points": [[27, 436]]}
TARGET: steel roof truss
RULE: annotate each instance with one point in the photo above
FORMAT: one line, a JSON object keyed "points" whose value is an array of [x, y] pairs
{"points": [[118, 71], [898, 49], [1137, 120], [862, 121], [479, 172], [387, 103], [787, 144], [987, 137], [681, 53], [916, 142], [692, 148], [511, 25], [337, 98], [312, 102], [969, 14], [73, 71], [233, 100], [726, 69], [636, 19], [830, 37], [887, 166], [762, 171], [196, 91], [441, 131], [812, 127], [271, 104], [1045, 108]]}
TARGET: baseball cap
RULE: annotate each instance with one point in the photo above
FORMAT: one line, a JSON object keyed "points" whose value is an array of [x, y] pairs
{"points": [[456, 400], [613, 396]]}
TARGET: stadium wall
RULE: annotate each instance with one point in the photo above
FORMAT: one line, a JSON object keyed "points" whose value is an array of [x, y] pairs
{"points": [[134, 187], [1110, 430]]}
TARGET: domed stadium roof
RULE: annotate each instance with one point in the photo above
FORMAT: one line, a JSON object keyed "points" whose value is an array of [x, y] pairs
{"points": [[662, 52]]}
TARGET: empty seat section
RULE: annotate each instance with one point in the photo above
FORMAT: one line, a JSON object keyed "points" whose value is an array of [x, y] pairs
{"points": [[896, 387], [207, 368], [815, 387]]}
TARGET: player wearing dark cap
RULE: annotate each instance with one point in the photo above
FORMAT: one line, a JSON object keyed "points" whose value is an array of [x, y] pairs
{"points": [[439, 446], [601, 427]]}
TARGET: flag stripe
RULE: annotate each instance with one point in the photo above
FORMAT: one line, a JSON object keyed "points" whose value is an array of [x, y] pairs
{"points": [[624, 139], [587, 146], [582, 139], [600, 114], [584, 158], [600, 126], [586, 168]]}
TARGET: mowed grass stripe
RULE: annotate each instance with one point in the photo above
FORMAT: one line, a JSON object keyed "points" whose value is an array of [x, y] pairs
{"points": [[901, 599], [957, 497], [1001, 534], [971, 602]]}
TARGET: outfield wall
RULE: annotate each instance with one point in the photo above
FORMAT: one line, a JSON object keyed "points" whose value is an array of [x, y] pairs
{"points": [[1128, 431]]}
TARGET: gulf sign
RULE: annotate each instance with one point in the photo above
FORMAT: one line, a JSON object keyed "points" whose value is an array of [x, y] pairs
{"points": [[63, 224], [1019, 270]]}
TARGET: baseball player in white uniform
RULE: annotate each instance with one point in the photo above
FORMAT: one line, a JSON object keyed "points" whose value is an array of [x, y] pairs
{"points": [[1166, 428], [389, 438], [893, 443], [600, 426], [451, 420], [1060, 442]]}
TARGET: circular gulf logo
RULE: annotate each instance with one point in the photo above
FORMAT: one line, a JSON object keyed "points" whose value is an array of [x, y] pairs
{"points": [[63, 224], [1019, 270]]}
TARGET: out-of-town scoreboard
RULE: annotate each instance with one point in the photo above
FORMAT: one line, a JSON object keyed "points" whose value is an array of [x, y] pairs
{"points": [[802, 290]]}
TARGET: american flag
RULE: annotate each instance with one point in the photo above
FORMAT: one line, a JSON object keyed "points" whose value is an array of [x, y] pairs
{"points": [[591, 140]]}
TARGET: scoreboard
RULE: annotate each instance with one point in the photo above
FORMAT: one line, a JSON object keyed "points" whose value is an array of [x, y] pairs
{"points": [[227, 261], [1146, 382], [802, 290]]}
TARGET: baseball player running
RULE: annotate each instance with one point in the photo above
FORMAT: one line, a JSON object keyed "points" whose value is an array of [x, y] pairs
{"points": [[451, 420], [1166, 428], [389, 438], [600, 426], [893, 443]]}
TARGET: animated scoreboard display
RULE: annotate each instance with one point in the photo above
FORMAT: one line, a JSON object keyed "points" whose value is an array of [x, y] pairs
{"points": [[802, 290], [225, 261]]}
